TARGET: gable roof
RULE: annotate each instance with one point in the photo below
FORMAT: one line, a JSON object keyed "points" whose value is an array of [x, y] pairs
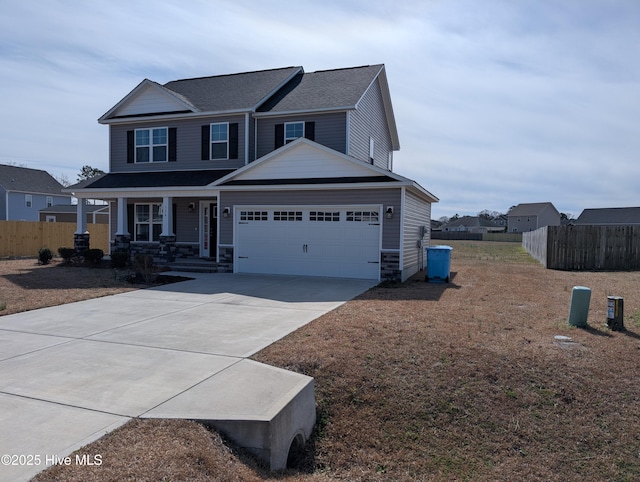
{"points": [[24, 179], [609, 216], [324, 89], [266, 92], [330, 90], [241, 92], [531, 209], [307, 162]]}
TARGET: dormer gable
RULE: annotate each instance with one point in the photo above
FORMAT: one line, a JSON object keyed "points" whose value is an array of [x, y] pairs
{"points": [[148, 98]]}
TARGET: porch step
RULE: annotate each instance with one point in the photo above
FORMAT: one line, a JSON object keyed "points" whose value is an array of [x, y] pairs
{"points": [[190, 265]]}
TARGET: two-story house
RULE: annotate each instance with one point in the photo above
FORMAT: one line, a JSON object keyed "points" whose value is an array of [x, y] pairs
{"points": [[276, 171], [531, 216], [24, 191]]}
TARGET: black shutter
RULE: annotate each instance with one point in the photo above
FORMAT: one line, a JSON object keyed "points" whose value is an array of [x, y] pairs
{"points": [[175, 211], [130, 221], [233, 141], [206, 149], [279, 142], [310, 130], [173, 151], [131, 153]]}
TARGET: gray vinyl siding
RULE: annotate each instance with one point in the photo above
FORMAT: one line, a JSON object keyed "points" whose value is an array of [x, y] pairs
{"points": [[3, 205], [385, 197], [417, 213], [369, 121], [330, 131], [188, 139]]}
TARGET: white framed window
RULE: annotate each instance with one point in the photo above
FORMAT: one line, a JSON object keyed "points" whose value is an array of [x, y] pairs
{"points": [[28, 200], [287, 215], [152, 145], [148, 222], [363, 216], [254, 216], [293, 130], [219, 141], [49, 201], [50, 218], [324, 216]]}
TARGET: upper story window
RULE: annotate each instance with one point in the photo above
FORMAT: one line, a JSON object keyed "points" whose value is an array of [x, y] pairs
{"points": [[293, 130], [49, 201], [28, 200], [152, 145], [290, 131], [219, 141]]}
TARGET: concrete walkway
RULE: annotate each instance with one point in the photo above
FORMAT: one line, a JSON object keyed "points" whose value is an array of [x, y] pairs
{"points": [[69, 374]]}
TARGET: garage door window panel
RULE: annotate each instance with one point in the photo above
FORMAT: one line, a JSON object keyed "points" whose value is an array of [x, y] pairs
{"points": [[287, 215]]}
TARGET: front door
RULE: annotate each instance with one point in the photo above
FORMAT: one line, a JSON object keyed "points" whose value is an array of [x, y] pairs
{"points": [[208, 229]]}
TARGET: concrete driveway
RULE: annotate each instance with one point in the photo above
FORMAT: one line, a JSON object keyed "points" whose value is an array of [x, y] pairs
{"points": [[69, 374]]}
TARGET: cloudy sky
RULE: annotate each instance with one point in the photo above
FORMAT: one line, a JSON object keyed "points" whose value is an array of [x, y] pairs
{"points": [[496, 102]]}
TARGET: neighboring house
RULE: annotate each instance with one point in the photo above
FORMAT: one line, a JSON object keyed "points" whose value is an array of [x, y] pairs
{"points": [[24, 191], [277, 171], [610, 217], [68, 213], [531, 216], [472, 224]]}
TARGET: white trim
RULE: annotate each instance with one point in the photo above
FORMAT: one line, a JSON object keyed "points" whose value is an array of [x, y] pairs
{"points": [[150, 146], [289, 113], [211, 141], [104, 119], [291, 139], [348, 134], [246, 138], [403, 193]]}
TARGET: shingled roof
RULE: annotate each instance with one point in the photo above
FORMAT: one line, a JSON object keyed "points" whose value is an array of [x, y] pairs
{"points": [[24, 179], [324, 89], [243, 91], [610, 216]]}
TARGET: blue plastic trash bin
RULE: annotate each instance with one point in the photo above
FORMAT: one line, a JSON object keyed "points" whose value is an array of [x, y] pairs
{"points": [[438, 264]]}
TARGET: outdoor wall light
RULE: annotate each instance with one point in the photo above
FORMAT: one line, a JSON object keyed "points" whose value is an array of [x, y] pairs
{"points": [[192, 207], [226, 212], [389, 212]]}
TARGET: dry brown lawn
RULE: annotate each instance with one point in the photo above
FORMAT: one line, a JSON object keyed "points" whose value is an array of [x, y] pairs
{"points": [[25, 284], [418, 381]]}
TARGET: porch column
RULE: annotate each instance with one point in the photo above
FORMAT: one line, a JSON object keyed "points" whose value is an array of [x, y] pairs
{"points": [[167, 236], [81, 236], [167, 217], [122, 240], [81, 216], [123, 222]]}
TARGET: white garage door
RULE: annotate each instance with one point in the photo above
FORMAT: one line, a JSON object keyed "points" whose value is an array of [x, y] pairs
{"points": [[340, 242]]}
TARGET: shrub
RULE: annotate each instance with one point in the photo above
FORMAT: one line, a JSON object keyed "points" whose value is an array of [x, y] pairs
{"points": [[120, 258], [145, 268], [45, 255], [93, 257], [67, 254]]}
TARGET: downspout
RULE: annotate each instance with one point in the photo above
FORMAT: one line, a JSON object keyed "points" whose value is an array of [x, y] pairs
{"points": [[403, 192]]}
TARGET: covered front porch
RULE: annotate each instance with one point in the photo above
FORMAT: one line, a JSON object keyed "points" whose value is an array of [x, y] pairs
{"points": [[169, 226]]}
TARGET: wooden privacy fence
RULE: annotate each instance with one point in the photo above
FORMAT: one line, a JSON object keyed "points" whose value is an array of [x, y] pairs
{"points": [[608, 248], [26, 238]]}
